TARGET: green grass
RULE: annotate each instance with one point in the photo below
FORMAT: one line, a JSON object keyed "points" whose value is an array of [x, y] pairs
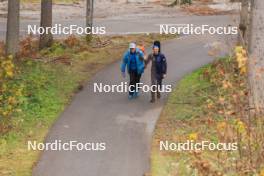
{"points": [[190, 93], [49, 88], [184, 105], [186, 113]]}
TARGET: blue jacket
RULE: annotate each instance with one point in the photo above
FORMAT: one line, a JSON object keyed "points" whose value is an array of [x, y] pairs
{"points": [[139, 59]]}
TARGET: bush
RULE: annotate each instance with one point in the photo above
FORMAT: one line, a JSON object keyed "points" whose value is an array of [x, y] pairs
{"points": [[28, 48], [10, 92]]}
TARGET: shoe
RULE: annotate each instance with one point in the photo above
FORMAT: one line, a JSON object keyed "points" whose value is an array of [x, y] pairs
{"points": [[152, 101], [130, 97], [136, 94]]}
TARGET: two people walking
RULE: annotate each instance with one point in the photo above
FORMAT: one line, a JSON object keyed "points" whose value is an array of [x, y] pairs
{"points": [[135, 62]]}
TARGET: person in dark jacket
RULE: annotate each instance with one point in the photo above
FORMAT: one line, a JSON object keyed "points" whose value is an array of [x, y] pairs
{"points": [[158, 70], [133, 61]]}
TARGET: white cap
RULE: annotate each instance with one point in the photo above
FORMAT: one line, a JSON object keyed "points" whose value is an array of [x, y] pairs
{"points": [[132, 45]]}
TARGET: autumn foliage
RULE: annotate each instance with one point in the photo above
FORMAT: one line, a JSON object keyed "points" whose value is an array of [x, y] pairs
{"points": [[10, 91], [231, 103], [213, 104]]}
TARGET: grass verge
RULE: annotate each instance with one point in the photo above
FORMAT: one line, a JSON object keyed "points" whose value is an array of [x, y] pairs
{"points": [[182, 108], [209, 104]]}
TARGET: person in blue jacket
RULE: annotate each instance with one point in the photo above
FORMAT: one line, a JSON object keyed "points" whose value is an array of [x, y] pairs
{"points": [[158, 69], [133, 61]]}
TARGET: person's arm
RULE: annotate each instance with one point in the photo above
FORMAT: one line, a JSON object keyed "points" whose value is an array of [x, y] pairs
{"points": [[123, 63], [141, 56], [147, 60], [141, 60], [164, 69]]}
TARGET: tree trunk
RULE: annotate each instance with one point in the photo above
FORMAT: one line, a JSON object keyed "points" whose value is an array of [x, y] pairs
{"points": [[12, 34], [256, 53], [89, 18], [46, 39], [244, 21]]}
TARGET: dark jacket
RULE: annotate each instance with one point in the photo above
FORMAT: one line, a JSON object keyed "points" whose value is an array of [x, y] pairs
{"points": [[158, 66]]}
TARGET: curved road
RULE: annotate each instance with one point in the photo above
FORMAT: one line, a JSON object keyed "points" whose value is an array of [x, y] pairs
{"points": [[125, 126]]}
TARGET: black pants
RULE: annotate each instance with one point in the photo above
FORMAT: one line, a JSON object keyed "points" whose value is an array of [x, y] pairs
{"points": [[158, 83], [134, 79]]}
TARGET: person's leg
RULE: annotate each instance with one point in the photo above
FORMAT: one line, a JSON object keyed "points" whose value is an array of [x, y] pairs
{"points": [[132, 83], [153, 92], [137, 79], [159, 85]]}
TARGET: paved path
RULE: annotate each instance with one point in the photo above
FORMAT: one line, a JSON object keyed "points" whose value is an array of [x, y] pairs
{"points": [[125, 126]]}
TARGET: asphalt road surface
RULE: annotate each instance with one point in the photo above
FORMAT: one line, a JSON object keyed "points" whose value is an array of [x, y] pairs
{"points": [[125, 126]]}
